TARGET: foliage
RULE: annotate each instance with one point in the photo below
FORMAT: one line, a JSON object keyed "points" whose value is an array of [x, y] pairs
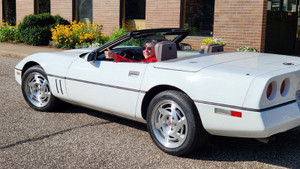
{"points": [[101, 39], [135, 42], [8, 32], [60, 20], [193, 30], [36, 29], [209, 41], [117, 33], [247, 49], [77, 35], [132, 42], [80, 35]]}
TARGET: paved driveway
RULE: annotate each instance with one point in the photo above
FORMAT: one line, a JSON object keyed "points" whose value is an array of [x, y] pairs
{"points": [[82, 138]]}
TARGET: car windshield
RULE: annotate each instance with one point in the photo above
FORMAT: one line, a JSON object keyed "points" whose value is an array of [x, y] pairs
{"points": [[139, 41]]}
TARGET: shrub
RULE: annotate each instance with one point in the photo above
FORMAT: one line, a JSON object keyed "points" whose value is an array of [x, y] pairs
{"points": [[60, 20], [117, 33], [8, 32], [132, 42], [76, 35], [36, 29], [100, 40]]}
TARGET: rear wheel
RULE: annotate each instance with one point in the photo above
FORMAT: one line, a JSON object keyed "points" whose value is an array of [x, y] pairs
{"points": [[174, 123], [36, 90]]}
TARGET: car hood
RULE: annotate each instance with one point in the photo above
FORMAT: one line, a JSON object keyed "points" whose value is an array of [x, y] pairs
{"points": [[54, 63], [248, 63]]}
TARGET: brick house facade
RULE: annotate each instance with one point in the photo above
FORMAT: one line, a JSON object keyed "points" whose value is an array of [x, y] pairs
{"points": [[107, 13], [162, 14], [62, 7], [237, 22], [23, 8]]}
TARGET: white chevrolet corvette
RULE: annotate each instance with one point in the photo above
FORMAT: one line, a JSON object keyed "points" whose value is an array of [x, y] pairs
{"points": [[182, 97]]}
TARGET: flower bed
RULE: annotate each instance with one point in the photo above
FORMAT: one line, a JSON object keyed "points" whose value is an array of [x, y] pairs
{"points": [[76, 35]]}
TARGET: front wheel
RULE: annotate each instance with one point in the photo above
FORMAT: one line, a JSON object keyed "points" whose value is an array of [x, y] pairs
{"points": [[174, 123], [36, 90]]}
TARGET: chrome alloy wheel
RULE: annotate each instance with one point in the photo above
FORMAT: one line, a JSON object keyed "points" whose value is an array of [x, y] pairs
{"points": [[37, 89], [169, 124]]}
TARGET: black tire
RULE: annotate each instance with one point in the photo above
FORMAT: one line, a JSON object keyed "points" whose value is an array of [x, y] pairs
{"points": [[36, 90], [174, 123]]}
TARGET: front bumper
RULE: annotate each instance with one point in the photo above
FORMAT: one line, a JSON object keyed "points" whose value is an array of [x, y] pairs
{"points": [[18, 75]]}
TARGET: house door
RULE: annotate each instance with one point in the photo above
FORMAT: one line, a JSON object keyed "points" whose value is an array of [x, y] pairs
{"points": [[281, 30], [133, 14]]}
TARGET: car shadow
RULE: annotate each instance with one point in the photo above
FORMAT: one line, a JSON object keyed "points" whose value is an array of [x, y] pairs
{"points": [[282, 150], [69, 108]]}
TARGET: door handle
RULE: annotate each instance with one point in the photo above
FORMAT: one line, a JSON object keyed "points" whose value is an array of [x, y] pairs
{"points": [[133, 73]]}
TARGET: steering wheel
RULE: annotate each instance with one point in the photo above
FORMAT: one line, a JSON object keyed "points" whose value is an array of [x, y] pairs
{"points": [[129, 55]]}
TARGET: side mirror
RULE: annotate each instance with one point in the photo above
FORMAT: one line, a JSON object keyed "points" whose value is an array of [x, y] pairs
{"points": [[185, 46], [92, 56]]}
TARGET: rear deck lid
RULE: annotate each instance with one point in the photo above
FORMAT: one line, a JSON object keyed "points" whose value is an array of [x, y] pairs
{"points": [[238, 62]]}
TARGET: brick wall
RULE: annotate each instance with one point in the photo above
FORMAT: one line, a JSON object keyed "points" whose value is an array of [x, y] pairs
{"points": [[162, 14], [238, 22], [241, 22], [107, 13], [23, 8], [63, 8]]}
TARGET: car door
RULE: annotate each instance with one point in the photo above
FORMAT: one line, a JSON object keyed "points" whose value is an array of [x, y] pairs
{"points": [[108, 86]]}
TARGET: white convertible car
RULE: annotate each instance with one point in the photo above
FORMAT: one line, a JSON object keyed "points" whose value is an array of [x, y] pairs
{"points": [[183, 97]]}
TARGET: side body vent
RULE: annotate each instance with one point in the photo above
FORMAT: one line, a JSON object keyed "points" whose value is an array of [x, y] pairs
{"points": [[59, 88]]}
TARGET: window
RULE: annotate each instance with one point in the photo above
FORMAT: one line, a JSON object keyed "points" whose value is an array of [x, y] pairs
{"points": [[198, 16], [41, 6], [135, 9], [9, 11], [133, 14], [282, 5], [83, 10], [289, 6], [274, 5]]}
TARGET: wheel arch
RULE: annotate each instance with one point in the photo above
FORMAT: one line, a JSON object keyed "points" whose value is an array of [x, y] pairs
{"points": [[152, 93], [28, 65]]}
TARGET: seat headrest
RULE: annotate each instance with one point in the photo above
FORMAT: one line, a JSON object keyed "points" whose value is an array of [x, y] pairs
{"points": [[165, 50]]}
